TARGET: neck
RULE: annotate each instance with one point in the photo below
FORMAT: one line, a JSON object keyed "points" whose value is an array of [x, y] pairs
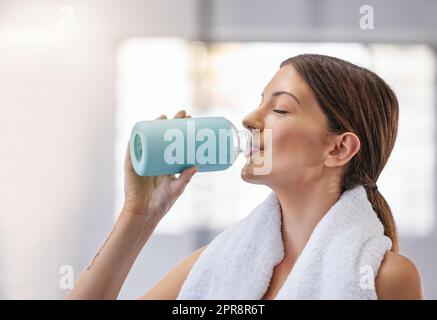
{"points": [[302, 208]]}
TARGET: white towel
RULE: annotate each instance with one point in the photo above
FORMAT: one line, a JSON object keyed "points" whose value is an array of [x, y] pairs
{"points": [[340, 260]]}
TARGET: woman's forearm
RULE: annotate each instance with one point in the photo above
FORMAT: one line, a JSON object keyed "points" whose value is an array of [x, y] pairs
{"points": [[146, 200], [107, 272]]}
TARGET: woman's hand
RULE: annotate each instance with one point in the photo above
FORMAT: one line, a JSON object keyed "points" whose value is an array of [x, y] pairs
{"points": [[152, 197], [147, 200]]}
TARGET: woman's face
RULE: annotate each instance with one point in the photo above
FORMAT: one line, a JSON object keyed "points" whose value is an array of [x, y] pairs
{"points": [[299, 131]]}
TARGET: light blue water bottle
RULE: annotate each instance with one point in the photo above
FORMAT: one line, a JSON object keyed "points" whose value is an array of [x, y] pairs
{"points": [[167, 146]]}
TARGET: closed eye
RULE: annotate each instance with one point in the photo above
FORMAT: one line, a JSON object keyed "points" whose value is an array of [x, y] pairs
{"points": [[280, 111]]}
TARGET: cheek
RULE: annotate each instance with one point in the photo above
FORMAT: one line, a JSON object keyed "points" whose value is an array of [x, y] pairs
{"points": [[297, 146]]}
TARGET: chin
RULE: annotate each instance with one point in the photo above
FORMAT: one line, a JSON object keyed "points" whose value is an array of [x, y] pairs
{"points": [[248, 176]]}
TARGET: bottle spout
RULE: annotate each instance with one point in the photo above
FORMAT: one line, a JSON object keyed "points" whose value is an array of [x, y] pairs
{"points": [[245, 142]]}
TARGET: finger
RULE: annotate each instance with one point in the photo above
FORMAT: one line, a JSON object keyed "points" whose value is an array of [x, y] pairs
{"points": [[162, 116], [177, 186], [127, 159], [180, 114]]}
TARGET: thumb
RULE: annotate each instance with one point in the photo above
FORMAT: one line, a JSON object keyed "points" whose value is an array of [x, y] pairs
{"points": [[177, 186]]}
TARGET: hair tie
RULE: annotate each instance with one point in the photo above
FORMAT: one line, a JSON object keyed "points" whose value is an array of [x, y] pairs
{"points": [[375, 187]]}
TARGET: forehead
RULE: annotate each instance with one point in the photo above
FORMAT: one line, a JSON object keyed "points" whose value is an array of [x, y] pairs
{"points": [[288, 79]]}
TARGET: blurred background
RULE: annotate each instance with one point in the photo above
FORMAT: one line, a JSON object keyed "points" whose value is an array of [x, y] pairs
{"points": [[76, 75]]}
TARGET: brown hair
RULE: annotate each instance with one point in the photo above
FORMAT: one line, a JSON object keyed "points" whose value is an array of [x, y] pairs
{"points": [[356, 100]]}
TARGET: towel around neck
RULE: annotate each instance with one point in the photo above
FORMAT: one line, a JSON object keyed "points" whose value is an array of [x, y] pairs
{"points": [[340, 260]]}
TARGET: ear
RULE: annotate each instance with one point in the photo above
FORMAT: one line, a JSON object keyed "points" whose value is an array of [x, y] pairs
{"points": [[342, 149]]}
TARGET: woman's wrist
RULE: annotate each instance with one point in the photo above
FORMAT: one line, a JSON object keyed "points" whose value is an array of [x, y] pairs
{"points": [[138, 224]]}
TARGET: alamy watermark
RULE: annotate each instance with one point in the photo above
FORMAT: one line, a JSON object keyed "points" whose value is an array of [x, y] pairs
{"points": [[367, 277], [184, 148], [67, 17], [66, 280], [367, 19]]}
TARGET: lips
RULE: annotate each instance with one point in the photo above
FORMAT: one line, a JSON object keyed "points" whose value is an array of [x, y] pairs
{"points": [[254, 150], [256, 147]]}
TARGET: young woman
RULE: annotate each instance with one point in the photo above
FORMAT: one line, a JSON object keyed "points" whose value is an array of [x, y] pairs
{"points": [[334, 126]]}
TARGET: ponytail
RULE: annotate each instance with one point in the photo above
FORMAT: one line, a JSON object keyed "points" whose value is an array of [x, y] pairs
{"points": [[384, 214]]}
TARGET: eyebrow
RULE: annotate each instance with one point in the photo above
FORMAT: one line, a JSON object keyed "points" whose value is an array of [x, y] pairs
{"points": [[278, 93]]}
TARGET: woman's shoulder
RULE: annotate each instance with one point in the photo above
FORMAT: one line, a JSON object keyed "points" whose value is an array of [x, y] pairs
{"points": [[169, 286], [398, 278]]}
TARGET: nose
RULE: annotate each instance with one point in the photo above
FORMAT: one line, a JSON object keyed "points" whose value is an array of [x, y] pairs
{"points": [[253, 120]]}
